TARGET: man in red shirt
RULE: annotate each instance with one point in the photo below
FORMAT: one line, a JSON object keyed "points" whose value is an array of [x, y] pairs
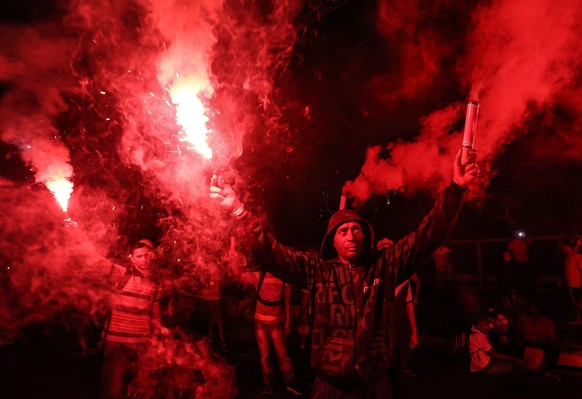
{"points": [[520, 272], [538, 331]]}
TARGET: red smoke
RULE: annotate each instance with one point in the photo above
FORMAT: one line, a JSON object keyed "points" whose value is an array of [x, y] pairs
{"points": [[410, 166], [419, 51], [112, 68], [520, 57], [87, 95], [34, 63]]}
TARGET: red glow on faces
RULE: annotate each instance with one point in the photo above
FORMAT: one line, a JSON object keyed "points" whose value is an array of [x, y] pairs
{"points": [[348, 241]]}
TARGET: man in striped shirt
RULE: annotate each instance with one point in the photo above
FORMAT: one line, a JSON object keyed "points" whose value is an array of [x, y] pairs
{"points": [[135, 314]]}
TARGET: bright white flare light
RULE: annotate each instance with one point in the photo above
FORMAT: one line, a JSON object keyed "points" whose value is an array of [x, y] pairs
{"points": [[191, 114], [62, 189]]}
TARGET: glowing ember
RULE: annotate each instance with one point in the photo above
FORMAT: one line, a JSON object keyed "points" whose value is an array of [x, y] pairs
{"points": [[62, 189], [191, 113]]}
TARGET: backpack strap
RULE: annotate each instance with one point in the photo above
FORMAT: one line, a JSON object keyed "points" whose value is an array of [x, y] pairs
{"points": [[261, 280], [270, 303], [261, 300], [124, 280]]}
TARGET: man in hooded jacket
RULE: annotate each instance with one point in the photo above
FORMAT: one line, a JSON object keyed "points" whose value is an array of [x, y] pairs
{"points": [[352, 285]]}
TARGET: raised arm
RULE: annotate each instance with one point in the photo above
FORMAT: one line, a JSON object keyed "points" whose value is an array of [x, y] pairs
{"points": [[290, 265], [410, 253]]}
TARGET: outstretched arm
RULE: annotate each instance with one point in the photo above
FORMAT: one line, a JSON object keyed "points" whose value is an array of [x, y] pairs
{"points": [[410, 253], [288, 264]]}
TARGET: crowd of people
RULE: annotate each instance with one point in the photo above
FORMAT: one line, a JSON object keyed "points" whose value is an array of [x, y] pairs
{"points": [[526, 340], [356, 302], [514, 335], [349, 307], [352, 286]]}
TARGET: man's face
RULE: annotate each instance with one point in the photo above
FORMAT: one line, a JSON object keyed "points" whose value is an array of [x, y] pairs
{"points": [[349, 241], [142, 259], [484, 326]]}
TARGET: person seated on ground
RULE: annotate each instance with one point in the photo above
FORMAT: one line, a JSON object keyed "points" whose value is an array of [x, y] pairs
{"points": [[520, 271], [538, 331], [513, 305], [484, 358], [500, 336]]}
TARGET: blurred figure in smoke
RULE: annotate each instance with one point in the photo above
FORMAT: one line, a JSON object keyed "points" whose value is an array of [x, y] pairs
{"points": [[519, 271], [210, 303], [444, 272], [135, 317], [300, 311], [538, 331], [572, 247], [272, 326], [513, 305], [352, 285], [406, 337]]}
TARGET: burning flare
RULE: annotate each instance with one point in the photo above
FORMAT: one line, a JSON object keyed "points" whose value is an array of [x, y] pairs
{"points": [[62, 189], [191, 113]]}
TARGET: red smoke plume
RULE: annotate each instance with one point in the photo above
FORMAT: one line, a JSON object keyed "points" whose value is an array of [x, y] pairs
{"points": [[160, 95], [35, 64], [521, 57]]}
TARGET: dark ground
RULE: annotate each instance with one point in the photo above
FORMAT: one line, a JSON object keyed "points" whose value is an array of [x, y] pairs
{"points": [[35, 369]]}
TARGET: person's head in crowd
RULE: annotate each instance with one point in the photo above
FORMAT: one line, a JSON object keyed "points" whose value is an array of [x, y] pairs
{"points": [[384, 243], [484, 325], [142, 256], [500, 322], [533, 307]]}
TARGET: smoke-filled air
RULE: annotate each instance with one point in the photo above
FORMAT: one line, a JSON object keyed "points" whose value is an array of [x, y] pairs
{"points": [[115, 114]]}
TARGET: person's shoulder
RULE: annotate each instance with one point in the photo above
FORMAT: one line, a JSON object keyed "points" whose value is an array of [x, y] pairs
{"points": [[118, 270], [522, 317], [119, 267]]}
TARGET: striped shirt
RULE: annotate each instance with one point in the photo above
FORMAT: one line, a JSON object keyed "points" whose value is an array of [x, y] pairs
{"points": [[132, 307], [270, 304]]}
